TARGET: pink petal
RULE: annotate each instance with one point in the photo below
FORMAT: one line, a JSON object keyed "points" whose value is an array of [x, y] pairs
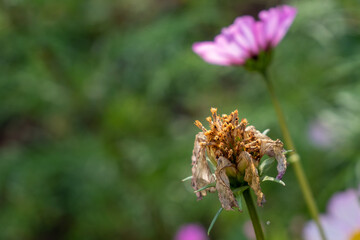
{"points": [[342, 220], [191, 231], [211, 53], [260, 35], [270, 21], [277, 22], [334, 230], [231, 33], [345, 207], [245, 34], [230, 48]]}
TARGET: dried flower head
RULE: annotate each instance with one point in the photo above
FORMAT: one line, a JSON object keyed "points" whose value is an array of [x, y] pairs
{"points": [[235, 150]]}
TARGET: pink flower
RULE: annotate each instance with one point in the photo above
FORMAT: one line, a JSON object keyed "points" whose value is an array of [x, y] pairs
{"points": [[191, 232], [246, 38], [342, 222]]}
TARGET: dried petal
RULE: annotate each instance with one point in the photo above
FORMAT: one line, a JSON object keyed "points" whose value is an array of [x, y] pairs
{"points": [[226, 196], [272, 149], [252, 177], [275, 149], [201, 173]]}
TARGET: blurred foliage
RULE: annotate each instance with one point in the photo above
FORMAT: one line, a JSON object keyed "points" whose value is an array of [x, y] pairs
{"points": [[98, 100]]}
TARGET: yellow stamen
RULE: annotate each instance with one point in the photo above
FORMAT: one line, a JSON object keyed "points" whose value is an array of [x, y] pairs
{"points": [[355, 235]]}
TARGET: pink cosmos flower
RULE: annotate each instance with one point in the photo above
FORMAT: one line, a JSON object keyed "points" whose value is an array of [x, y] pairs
{"points": [[246, 38], [191, 231], [342, 222]]}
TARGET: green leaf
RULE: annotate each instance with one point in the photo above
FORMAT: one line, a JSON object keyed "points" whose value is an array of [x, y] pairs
{"points": [[205, 187], [265, 165], [266, 131], [214, 220], [268, 178], [187, 178]]}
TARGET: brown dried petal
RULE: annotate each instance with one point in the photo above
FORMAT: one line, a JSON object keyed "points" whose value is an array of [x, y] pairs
{"points": [[201, 173], [226, 196], [252, 177], [275, 149], [272, 149]]}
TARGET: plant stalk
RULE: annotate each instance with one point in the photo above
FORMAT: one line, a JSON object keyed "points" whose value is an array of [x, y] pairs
{"points": [[253, 215], [294, 158]]}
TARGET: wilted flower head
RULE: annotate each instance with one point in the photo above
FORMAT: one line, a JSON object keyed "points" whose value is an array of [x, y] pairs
{"points": [[235, 150], [247, 38], [342, 221]]}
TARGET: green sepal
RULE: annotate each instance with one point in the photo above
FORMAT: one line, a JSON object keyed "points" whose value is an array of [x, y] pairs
{"points": [[259, 63], [265, 165], [238, 194], [239, 201], [239, 190], [272, 179], [205, 187], [214, 220]]}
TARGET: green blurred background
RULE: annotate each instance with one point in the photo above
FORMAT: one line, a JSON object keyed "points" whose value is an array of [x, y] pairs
{"points": [[98, 100]]}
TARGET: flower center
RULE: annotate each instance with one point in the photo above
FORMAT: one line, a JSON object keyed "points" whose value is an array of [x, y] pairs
{"points": [[355, 235]]}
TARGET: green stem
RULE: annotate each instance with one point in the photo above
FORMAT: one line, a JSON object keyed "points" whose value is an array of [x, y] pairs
{"points": [[253, 215], [294, 157]]}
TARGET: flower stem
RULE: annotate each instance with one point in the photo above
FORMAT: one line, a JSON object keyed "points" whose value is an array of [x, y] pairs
{"points": [[253, 215], [294, 157]]}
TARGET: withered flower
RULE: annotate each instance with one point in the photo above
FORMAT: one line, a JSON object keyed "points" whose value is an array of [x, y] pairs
{"points": [[235, 150]]}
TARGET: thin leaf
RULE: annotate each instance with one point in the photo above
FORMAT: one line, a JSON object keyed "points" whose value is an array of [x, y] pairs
{"points": [[266, 131], [268, 178], [187, 178], [265, 165], [214, 220], [205, 187]]}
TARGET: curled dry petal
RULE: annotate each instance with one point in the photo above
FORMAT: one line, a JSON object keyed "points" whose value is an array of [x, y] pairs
{"points": [[201, 173], [272, 149], [252, 177], [226, 196], [276, 149]]}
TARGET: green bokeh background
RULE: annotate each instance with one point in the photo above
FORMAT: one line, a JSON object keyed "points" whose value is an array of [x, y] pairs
{"points": [[98, 100]]}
